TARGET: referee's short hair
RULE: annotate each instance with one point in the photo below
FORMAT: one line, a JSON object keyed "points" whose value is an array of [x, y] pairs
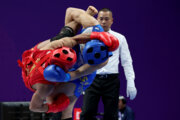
{"points": [[106, 10]]}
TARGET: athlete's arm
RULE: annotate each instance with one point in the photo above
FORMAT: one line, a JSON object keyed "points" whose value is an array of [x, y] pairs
{"points": [[82, 38], [85, 70], [67, 42]]}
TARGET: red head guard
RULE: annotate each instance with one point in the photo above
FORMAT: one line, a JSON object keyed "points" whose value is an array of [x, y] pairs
{"points": [[64, 57]]}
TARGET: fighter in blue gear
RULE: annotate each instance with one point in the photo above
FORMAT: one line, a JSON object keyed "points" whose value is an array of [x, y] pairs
{"points": [[81, 75], [56, 74]]}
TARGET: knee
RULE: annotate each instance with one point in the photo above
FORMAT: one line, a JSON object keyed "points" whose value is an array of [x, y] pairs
{"points": [[69, 10], [75, 12]]}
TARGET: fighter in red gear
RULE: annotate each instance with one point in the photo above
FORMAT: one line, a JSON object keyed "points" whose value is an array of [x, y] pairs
{"points": [[34, 61]]}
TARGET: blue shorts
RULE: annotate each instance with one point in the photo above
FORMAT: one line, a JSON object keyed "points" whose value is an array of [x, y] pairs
{"points": [[83, 83]]}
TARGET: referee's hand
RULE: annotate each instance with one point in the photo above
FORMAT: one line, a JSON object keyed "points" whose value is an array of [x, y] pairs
{"points": [[131, 90]]}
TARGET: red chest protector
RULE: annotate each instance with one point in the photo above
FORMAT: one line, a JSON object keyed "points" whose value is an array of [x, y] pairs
{"points": [[34, 61]]}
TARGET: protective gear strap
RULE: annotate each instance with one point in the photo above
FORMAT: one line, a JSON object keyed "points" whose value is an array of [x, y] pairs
{"points": [[37, 65]]}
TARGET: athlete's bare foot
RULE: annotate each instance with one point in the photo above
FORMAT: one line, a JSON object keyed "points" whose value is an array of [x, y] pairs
{"points": [[91, 10]]}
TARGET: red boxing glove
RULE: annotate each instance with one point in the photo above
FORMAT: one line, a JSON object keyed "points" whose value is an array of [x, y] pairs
{"points": [[115, 43], [59, 104], [102, 36], [108, 39]]}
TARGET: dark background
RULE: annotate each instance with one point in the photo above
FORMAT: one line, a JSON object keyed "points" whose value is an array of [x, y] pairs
{"points": [[150, 26]]}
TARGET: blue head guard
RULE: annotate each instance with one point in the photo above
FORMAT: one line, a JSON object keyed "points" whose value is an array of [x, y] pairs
{"points": [[95, 52]]}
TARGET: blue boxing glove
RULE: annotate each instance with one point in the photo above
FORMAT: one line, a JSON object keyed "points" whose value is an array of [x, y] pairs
{"points": [[54, 73]]}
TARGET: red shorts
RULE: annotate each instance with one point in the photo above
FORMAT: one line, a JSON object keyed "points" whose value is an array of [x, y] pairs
{"points": [[30, 73]]}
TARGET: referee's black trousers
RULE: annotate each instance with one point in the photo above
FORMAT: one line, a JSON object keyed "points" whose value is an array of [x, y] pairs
{"points": [[107, 88]]}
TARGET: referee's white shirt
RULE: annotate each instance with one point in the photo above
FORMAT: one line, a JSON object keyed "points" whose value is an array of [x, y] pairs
{"points": [[125, 57]]}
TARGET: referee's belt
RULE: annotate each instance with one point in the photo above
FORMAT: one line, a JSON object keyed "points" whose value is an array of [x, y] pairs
{"points": [[103, 76]]}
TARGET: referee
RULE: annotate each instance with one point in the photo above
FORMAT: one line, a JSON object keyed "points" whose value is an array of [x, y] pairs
{"points": [[106, 84]]}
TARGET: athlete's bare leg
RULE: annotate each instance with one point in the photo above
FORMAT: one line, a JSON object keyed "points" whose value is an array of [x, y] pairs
{"points": [[74, 18], [67, 113], [71, 17], [81, 17]]}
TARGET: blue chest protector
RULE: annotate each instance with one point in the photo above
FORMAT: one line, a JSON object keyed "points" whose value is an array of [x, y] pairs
{"points": [[84, 82]]}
